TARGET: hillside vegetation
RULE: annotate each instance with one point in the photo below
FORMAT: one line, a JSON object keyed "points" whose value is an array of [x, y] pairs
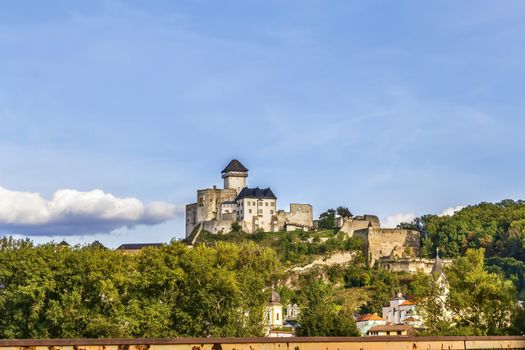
{"points": [[221, 286], [499, 228], [294, 247]]}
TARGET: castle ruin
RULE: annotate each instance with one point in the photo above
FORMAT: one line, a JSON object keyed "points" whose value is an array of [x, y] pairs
{"points": [[381, 243]]}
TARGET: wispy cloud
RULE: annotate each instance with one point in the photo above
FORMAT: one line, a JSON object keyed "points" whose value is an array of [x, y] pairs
{"points": [[72, 212], [451, 211], [396, 219]]}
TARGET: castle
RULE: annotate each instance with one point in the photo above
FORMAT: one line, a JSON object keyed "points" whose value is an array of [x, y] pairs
{"points": [[254, 209], [382, 244]]}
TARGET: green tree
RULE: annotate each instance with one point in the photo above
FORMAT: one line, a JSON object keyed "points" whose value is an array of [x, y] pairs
{"points": [[321, 316], [52, 291], [343, 211], [327, 219], [236, 227], [478, 302], [481, 303]]}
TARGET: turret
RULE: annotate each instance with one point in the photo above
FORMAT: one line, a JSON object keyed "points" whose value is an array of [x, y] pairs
{"points": [[437, 269], [235, 175]]}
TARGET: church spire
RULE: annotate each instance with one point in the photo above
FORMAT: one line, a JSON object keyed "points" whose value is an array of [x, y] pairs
{"points": [[437, 269]]}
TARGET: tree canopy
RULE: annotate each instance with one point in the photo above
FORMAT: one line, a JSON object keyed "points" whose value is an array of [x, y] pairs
{"points": [[52, 291], [469, 300], [321, 315]]}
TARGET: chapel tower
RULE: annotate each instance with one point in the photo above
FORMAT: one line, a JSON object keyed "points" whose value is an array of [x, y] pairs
{"points": [[234, 176]]}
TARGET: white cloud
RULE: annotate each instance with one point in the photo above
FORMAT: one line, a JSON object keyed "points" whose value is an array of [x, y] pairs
{"points": [[451, 211], [72, 212], [396, 219]]}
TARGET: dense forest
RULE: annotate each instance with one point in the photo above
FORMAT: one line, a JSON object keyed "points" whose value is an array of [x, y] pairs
{"points": [[499, 228], [221, 286]]}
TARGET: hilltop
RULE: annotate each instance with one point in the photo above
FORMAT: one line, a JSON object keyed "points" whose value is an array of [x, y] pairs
{"points": [[56, 290], [498, 228]]}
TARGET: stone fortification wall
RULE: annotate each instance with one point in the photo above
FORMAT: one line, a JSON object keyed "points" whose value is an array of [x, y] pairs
{"points": [[229, 217], [380, 242], [300, 215], [411, 265], [191, 218], [391, 243], [218, 226], [356, 223], [209, 201]]}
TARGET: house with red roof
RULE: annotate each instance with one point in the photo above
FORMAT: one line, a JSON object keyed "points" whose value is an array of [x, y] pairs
{"points": [[365, 322], [402, 311]]}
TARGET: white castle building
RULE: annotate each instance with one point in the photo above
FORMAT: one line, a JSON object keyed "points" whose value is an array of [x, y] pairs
{"points": [[254, 209]]}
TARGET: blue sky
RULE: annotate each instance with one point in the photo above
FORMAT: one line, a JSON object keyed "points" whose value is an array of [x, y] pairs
{"points": [[394, 108]]}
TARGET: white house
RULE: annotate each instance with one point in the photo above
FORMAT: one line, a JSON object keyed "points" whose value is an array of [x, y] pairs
{"points": [[365, 322], [401, 311]]}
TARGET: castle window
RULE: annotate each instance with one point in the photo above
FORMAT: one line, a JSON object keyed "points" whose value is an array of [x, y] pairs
{"points": [[266, 204], [249, 211], [260, 211], [277, 316], [271, 211]]}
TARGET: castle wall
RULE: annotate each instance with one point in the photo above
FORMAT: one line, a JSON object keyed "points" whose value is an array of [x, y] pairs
{"points": [[209, 201], [392, 243], [191, 218], [356, 223], [300, 215], [218, 226], [411, 265]]}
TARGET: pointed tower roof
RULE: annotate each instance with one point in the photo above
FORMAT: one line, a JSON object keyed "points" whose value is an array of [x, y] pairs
{"points": [[236, 166], [275, 298], [437, 269]]}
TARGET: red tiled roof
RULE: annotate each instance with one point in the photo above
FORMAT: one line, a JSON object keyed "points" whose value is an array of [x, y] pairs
{"points": [[370, 317], [391, 328], [406, 302], [410, 318]]}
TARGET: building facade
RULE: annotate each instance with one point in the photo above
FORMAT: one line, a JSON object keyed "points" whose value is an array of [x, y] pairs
{"points": [[365, 322], [401, 311], [253, 209], [391, 330]]}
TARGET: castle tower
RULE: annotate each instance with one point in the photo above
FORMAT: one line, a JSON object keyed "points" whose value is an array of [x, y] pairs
{"points": [[234, 176]]}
